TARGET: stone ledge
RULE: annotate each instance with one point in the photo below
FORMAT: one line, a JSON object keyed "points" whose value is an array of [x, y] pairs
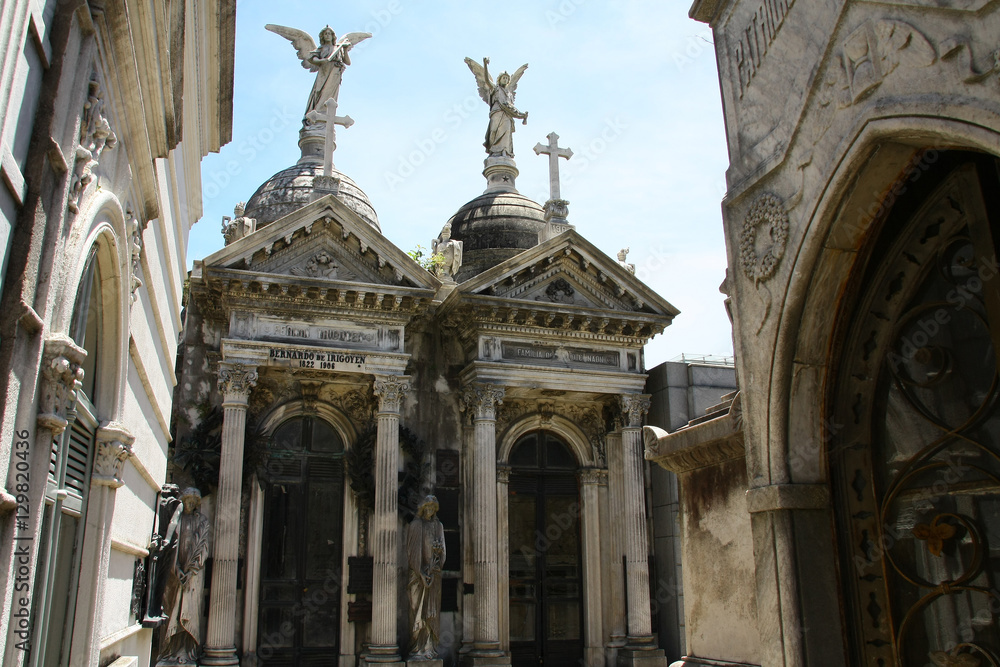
{"points": [[688, 661], [788, 497], [700, 446]]}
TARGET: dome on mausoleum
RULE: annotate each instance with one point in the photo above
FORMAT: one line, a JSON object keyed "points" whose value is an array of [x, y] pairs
{"points": [[292, 188], [494, 227]]}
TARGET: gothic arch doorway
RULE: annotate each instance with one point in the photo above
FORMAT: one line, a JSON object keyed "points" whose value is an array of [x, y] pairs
{"points": [[915, 455], [299, 608], [546, 581]]}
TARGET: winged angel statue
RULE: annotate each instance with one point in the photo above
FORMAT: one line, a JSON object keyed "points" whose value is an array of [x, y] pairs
{"points": [[500, 96], [329, 60]]}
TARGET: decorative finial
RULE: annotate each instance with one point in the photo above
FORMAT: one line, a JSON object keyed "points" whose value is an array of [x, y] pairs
{"points": [[622, 254]]}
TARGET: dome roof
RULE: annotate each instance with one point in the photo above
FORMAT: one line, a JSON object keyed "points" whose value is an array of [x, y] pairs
{"points": [[291, 189], [494, 227]]}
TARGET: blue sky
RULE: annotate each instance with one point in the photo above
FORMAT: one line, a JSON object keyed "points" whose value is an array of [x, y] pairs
{"points": [[631, 87]]}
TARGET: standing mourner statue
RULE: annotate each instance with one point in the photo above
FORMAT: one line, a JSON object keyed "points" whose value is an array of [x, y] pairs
{"points": [[425, 556], [500, 97], [328, 60], [187, 540], [451, 253]]}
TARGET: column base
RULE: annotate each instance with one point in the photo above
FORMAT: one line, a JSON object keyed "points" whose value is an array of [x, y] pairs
{"points": [[219, 656], [651, 657], [485, 656], [383, 655], [688, 661]]}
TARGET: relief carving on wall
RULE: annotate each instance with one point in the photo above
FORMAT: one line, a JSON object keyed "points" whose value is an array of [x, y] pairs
{"points": [[762, 244], [135, 229], [320, 265], [96, 136]]}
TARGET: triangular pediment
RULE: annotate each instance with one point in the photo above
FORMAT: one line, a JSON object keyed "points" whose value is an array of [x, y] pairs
{"points": [[324, 240], [568, 270]]}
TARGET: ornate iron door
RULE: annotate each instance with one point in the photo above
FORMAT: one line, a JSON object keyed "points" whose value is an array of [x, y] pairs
{"points": [[915, 427]]}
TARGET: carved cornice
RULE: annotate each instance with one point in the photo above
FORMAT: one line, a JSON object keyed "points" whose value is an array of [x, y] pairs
{"points": [[391, 389], [707, 444], [62, 376], [634, 408], [483, 399], [114, 447], [236, 381]]}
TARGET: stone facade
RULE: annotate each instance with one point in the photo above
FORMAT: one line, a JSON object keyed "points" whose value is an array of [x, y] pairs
{"points": [[321, 366], [863, 140], [97, 196]]}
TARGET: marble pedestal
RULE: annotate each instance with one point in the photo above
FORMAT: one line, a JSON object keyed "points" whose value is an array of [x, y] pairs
{"points": [[436, 662], [478, 660]]}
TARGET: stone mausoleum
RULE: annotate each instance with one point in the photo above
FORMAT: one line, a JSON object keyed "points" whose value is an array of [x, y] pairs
{"points": [[328, 382]]}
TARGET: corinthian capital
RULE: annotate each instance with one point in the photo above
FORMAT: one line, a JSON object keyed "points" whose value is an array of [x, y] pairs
{"points": [[236, 381], [391, 389], [482, 400], [114, 447], [61, 377], [634, 406]]}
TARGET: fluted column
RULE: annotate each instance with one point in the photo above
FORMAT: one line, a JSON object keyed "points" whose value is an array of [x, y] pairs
{"points": [[590, 514], [235, 383], [483, 400], [640, 631], [616, 509], [390, 390]]}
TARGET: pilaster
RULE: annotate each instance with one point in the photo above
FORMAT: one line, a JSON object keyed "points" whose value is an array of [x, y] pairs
{"points": [[114, 447], [590, 480], [235, 383]]}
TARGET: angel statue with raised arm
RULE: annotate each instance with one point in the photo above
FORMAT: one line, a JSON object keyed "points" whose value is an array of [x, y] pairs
{"points": [[329, 60], [500, 96]]}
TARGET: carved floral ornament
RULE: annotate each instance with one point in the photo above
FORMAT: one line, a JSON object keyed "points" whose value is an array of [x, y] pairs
{"points": [[61, 377], [114, 447], [236, 381], [634, 407], [482, 400], [764, 237], [391, 390]]}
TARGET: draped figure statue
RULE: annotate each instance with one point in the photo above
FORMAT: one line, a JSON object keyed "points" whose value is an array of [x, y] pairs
{"points": [[425, 555], [186, 540], [500, 96]]}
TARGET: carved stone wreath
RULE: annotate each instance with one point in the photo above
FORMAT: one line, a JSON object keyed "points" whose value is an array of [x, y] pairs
{"points": [[768, 215]]}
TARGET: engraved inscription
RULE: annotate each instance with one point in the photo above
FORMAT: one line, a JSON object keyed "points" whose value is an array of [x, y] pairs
{"points": [[592, 357], [513, 351], [755, 40], [302, 358]]}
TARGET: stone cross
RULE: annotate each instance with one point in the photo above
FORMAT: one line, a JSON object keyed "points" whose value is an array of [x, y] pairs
{"points": [[554, 153], [332, 121]]}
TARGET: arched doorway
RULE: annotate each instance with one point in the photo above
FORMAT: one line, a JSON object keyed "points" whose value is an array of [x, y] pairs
{"points": [[915, 416], [546, 583], [299, 607]]}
